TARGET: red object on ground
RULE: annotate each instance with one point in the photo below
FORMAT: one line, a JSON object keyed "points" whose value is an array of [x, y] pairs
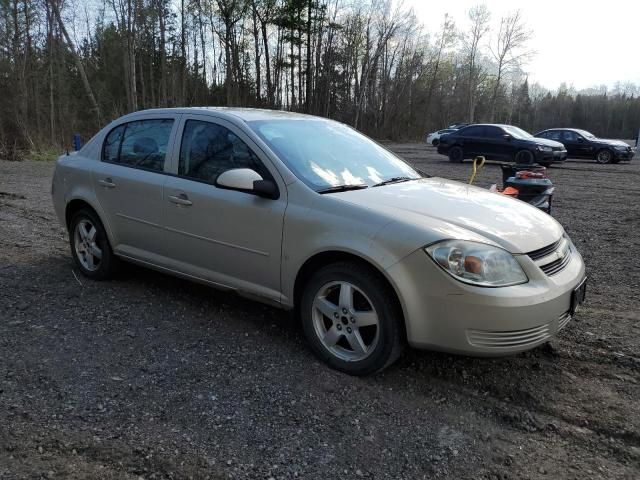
{"points": [[512, 192]]}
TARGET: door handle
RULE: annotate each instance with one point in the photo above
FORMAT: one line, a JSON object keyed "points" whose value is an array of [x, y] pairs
{"points": [[107, 183], [180, 199]]}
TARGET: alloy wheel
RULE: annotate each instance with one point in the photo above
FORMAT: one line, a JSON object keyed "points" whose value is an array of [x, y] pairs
{"points": [[604, 156], [345, 321], [87, 250]]}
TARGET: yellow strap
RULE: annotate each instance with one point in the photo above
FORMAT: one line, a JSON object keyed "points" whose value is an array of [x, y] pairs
{"points": [[476, 167]]}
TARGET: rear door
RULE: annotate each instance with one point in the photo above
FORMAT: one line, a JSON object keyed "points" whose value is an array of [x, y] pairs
{"points": [[228, 237], [473, 141], [129, 181]]}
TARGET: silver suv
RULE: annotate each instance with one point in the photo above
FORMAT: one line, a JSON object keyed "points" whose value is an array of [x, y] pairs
{"points": [[307, 214]]}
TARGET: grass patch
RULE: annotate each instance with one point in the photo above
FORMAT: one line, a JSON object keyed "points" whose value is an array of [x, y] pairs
{"points": [[44, 154]]}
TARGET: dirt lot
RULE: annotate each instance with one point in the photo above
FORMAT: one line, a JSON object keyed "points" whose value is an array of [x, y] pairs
{"points": [[150, 376]]}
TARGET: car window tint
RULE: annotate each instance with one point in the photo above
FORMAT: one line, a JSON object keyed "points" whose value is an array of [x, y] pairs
{"points": [[553, 135], [141, 144], [493, 132], [476, 131], [111, 148], [209, 149], [569, 136]]}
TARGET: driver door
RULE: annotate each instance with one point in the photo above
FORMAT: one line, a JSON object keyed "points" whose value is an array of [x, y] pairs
{"points": [[228, 237]]}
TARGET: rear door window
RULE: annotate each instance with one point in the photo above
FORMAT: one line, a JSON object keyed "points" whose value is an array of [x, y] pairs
{"points": [[209, 149], [553, 135], [141, 144], [473, 131]]}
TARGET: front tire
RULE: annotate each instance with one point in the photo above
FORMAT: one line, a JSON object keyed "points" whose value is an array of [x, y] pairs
{"points": [[604, 156], [456, 154], [435, 142], [90, 246], [352, 319], [524, 157]]}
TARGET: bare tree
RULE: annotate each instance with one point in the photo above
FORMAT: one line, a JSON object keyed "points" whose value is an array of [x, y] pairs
{"points": [[83, 75], [479, 18], [509, 50]]}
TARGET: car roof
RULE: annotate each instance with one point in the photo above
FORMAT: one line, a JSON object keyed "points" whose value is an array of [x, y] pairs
{"points": [[489, 125], [577, 130], [246, 114]]}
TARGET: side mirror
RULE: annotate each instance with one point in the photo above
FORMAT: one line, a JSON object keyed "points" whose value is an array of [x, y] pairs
{"points": [[507, 137], [580, 139], [249, 181]]}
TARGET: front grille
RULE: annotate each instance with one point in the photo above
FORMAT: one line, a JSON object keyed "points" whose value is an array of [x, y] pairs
{"points": [[544, 251], [563, 320], [514, 338], [557, 262], [557, 149], [557, 265]]}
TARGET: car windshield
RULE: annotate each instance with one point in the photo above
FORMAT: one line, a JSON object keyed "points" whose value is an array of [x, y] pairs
{"points": [[586, 134], [325, 154], [517, 132]]}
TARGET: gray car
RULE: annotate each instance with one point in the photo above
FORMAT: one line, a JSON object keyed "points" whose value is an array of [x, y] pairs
{"points": [[308, 214]]}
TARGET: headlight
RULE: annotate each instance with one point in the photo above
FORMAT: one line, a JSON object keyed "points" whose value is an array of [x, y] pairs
{"points": [[622, 148], [477, 263], [544, 148]]}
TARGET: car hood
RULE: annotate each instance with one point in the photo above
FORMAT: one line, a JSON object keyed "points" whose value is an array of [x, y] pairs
{"points": [[547, 142], [611, 142], [473, 213]]}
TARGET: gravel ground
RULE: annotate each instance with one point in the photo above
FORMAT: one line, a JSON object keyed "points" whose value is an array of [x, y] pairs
{"points": [[149, 376]]}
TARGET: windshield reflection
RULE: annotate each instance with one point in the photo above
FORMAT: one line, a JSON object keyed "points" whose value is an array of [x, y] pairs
{"points": [[324, 153]]}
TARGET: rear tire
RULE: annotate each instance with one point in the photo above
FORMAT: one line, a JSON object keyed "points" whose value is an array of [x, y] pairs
{"points": [[456, 154], [90, 246], [524, 157], [352, 319], [604, 156]]}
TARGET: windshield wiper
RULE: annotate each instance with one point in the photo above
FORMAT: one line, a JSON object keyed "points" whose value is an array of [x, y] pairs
{"points": [[394, 180], [343, 188]]}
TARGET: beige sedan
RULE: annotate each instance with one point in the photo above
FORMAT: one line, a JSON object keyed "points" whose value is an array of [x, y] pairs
{"points": [[307, 214]]}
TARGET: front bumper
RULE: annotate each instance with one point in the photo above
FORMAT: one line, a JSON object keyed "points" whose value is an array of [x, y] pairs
{"points": [[444, 314], [555, 156], [627, 155]]}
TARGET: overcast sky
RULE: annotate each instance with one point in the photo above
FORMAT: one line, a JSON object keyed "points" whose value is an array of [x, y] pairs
{"points": [[584, 43]]}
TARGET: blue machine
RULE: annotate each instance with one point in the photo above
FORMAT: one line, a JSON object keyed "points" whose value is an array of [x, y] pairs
{"points": [[77, 142]]}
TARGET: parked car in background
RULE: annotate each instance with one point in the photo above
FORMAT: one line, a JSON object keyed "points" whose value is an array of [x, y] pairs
{"points": [[307, 214], [500, 142], [434, 138], [583, 144], [458, 126]]}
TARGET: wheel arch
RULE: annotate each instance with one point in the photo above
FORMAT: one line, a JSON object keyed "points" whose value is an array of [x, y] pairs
{"points": [[78, 203], [327, 257]]}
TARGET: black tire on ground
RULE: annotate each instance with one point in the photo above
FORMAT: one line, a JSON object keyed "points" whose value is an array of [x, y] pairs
{"points": [[456, 154], [435, 142], [107, 265], [524, 157], [604, 155], [391, 336]]}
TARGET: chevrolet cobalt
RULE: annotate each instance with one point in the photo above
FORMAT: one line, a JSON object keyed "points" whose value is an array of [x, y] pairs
{"points": [[308, 214]]}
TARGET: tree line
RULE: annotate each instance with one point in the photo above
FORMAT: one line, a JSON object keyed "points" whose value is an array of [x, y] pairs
{"points": [[70, 67]]}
